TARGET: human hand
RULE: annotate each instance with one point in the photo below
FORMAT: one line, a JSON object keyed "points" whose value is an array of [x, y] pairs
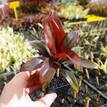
{"points": [[16, 93]]}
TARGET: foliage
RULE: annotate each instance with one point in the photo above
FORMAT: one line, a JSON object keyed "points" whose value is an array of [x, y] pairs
{"points": [[26, 22], [14, 50], [93, 41], [103, 65], [71, 11], [55, 50], [31, 6], [104, 51], [83, 2], [98, 8]]}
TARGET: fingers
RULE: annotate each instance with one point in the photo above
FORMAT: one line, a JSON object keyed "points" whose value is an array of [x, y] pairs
{"points": [[47, 100], [25, 79], [19, 79], [22, 78]]}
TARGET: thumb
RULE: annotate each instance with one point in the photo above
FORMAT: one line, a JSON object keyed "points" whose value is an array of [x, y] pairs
{"points": [[47, 100]]}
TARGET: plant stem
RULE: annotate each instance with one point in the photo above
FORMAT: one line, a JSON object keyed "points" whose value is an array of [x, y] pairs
{"points": [[87, 74], [97, 80], [87, 102]]}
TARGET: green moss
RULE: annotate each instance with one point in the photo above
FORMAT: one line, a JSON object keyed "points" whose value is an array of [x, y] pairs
{"points": [[71, 11]]}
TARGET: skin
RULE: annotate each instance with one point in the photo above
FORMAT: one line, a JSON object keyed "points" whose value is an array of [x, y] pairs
{"points": [[16, 93]]}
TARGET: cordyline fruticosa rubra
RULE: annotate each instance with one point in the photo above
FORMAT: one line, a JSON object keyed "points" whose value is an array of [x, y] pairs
{"points": [[55, 50]]}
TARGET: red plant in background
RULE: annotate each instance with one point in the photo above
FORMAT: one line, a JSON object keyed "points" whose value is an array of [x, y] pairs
{"points": [[55, 49]]}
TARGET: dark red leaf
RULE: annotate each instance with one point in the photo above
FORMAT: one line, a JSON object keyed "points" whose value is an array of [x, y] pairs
{"points": [[71, 39], [59, 55], [32, 64], [81, 62], [50, 40], [34, 80], [73, 58], [54, 33], [44, 72], [47, 73]]}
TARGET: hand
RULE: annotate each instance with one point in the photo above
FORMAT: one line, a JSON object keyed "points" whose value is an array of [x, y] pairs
{"points": [[16, 93]]}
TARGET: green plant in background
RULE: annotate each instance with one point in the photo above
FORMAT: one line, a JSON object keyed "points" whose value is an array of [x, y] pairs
{"points": [[103, 56], [92, 42], [71, 11], [14, 50], [103, 65], [104, 52], [90, 34]]}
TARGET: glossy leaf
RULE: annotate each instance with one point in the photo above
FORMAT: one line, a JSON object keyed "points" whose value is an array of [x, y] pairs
{"points": [[54, 34], [49, 36], [76, 60], [31, 65], [71, 40], [70, 77], [58, 33], [47, 73], [73, 58], [42, 48], [44, 72]]}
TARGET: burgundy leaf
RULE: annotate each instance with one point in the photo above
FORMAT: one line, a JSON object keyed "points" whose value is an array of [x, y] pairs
{"points": [[49, 36], [44, 72], [54, 33], [73, 58], [76, 60], [47, 73], [32, 64], [71, 40]]}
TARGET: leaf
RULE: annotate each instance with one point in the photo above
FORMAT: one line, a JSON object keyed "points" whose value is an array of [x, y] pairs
{"points": [[47, 73], [70, 77], [41, 47], [32, 64], [71, 40], [49, 36], [54, 33], [73, 58], [44, 72], [88, 64], [81, 62]]}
